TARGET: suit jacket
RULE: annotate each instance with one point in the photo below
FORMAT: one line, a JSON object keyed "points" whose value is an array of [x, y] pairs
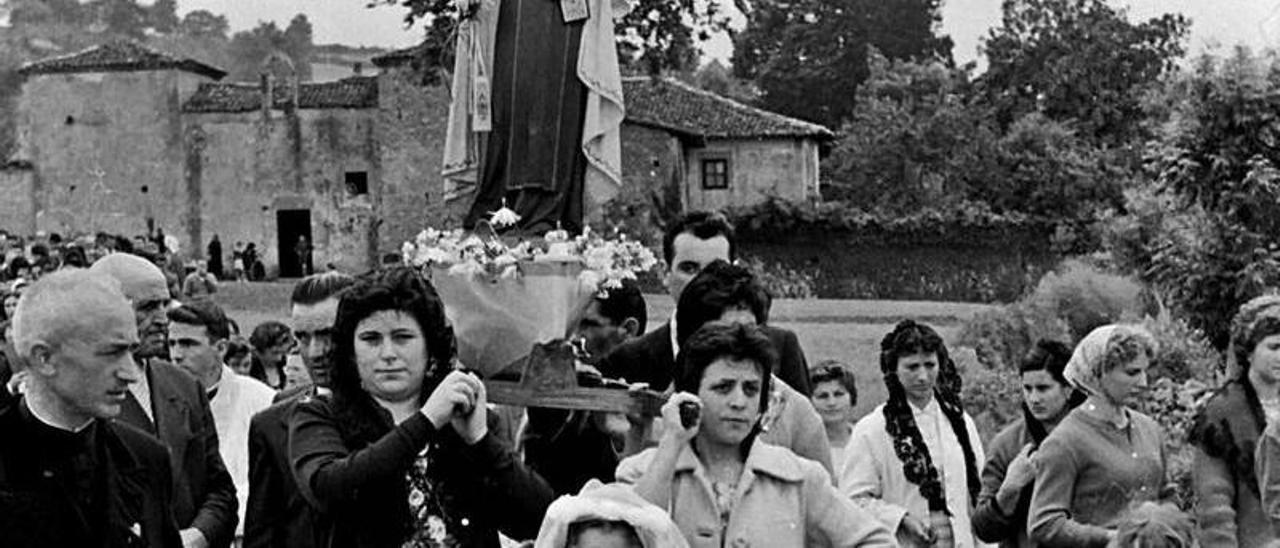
{"points": [[649, 358], [38, 509], [204, 495], [276, 515]]}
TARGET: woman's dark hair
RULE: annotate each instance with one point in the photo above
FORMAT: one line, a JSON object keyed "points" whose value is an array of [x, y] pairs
{"points": [[74, 256], [719, 287], [1051, 357], [837, 371], [738, 342], [236, 347], [268, 334], [909, 338], [402, 289]]}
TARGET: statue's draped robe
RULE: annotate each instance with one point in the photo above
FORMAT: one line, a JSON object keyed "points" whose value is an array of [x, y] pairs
{"points": [[555, 106]]}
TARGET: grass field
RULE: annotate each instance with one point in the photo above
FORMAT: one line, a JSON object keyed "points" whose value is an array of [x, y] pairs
{"points": [[849, 331]]}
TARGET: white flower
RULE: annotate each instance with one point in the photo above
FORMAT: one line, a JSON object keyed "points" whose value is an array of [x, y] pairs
{"points": [[436, 530], [504, 217]]}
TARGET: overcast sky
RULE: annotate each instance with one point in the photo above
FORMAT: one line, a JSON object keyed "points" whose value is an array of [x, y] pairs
{"points": [[1216, 24]]}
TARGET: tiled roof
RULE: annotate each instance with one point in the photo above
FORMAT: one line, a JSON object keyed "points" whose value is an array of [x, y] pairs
{"points": [[352, 92], [679, 107], [397, 57], [118, 56]]}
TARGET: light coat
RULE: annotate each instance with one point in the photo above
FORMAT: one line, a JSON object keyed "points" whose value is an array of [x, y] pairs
{"points": [[782, 501]]}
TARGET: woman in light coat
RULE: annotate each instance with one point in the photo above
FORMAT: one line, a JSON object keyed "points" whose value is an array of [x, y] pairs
{"points": [[721, 485]]}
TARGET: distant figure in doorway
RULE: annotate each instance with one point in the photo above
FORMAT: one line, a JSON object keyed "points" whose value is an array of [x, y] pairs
{"points": [[303, 250]]}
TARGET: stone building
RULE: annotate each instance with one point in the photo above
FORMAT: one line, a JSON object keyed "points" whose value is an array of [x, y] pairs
{"points": [[120, 135]]}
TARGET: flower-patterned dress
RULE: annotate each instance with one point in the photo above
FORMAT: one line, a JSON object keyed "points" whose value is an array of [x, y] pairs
{"points": [[431, 524]]}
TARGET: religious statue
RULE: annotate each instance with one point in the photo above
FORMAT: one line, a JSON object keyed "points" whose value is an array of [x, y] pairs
{"points": [[536, 109]]}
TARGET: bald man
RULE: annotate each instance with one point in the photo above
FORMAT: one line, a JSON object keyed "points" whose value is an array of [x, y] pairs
{"points": [[69, 475], [170, 404]]}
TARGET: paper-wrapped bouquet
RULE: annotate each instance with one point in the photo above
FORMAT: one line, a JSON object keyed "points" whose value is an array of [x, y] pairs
{"points": [[504, 295]]}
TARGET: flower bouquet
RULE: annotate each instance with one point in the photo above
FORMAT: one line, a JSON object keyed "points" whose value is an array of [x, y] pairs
{"points": [[503, 296]]}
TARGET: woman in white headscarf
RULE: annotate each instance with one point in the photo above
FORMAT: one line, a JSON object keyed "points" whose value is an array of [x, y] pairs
{"points": [[1104, 455]]}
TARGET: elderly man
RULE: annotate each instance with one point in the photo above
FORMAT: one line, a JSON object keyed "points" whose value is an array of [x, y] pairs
{"points": [[69, 475], [198, 334], [277, 515], [170, 404]]}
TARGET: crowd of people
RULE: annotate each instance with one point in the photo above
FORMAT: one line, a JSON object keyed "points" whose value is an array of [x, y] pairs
{"points": [[135, 414]]}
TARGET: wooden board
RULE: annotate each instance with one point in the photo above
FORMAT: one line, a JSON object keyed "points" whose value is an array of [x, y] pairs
{"points": [[613, 400]]}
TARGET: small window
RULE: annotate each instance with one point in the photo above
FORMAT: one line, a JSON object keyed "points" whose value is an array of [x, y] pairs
{"points": [[715, 173], [71, 120], [357, 183]]}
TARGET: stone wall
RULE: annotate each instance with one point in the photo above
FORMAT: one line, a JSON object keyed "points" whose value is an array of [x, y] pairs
{"points": [[16, 215], [106, 150], [783, 168], [652, 169], [411, 124], [247, 168]]}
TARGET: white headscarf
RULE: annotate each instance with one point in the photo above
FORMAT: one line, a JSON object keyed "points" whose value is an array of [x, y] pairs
{"points": [[612, 502], [1088, 362]]}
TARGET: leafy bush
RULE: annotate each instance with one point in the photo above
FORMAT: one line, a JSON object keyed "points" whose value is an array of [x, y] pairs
{"points": [[1001, 337], [781, 281], [1086, 298], [993, 397], [1202, 230]]}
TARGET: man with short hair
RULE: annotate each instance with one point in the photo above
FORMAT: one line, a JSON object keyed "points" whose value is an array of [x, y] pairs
{"points": [[198, 334], [565, 448], [689, 245], [277, 514], [170, 404], [69, 474]]}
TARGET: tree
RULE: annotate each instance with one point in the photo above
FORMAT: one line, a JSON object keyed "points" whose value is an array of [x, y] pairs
{"points": [[204, 24], [1078, 60], [809, 56], [120, 18], [163, 16], [251, 50], [655, 35], [719, 79], [912, 141], [1203, 227]]}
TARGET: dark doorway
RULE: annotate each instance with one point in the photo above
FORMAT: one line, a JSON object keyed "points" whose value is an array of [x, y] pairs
{"points": [[293, 242]]}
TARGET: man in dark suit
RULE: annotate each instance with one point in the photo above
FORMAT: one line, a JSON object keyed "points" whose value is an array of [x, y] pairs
{"points": [[689, 245], [277, 515], [69, 475], [171, 405]]}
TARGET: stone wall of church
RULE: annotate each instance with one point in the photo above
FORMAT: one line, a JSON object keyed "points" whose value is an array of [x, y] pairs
{"points": [[106, 150]]}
